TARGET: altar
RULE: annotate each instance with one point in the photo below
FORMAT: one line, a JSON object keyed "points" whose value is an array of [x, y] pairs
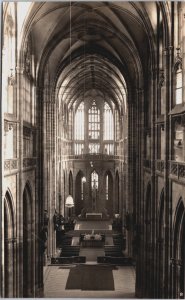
{"points": [[94, 216], [92, 240]]}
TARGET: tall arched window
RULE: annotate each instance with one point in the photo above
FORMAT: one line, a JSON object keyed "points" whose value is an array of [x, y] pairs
{"points": [[79, 129], [108, 123], [94, 122], [108, 129], [178, 85], [94, 180], [107, 187], [79, 122], [8, 66]]}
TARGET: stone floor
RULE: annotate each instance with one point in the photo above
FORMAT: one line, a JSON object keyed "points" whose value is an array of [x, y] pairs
{"points": [[55, 278]]}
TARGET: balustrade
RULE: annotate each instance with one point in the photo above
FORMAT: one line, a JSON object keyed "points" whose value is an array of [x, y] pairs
{"points": [[147, 163], [177, 169], [97, 156], [29, 162], [10, 164], [160, 165]]}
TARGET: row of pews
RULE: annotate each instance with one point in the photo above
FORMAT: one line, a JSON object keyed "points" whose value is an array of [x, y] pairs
{"points": [[69, 253], [69, 250], [113, 250]]}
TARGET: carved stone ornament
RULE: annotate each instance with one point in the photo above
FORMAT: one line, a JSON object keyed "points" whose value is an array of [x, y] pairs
{"points": [[161, 78], [11, 79], [8, 126], [178, 59], [27, 58]]}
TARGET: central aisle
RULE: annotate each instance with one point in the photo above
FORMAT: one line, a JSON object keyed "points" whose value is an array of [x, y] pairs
{"points": [[55, 279]]}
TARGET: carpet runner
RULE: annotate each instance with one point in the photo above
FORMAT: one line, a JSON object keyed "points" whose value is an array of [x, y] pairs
{"points": [[91, 277]]}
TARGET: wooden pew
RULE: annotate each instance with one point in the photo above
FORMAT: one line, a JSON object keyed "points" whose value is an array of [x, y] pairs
{"points": [[119, 261], [67, 260]]}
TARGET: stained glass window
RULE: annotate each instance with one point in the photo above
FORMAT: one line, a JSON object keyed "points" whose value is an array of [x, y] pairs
{"points": [[94, 180], [79, 122], [178, 92], [79, 148], [94, 148], [79, 130], [107, 188], [108, 123], [94, 122], [82, 189]]}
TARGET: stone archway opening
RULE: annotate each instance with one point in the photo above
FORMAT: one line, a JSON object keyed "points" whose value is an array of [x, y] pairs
{"points": [[28, 250], [9, 248]]}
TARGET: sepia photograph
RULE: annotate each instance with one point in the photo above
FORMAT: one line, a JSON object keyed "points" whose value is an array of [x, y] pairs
{"points": [[93, 152]]}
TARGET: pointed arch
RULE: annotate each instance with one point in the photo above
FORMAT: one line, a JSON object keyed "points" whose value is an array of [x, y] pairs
{"points": [[117, 193], [70, 183], [178, 259], [148, 235], [160, 246], [108, 184], [79, 193], [9, 247], [28, 251]]}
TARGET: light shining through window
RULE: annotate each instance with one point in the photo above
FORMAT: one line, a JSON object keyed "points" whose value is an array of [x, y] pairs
{"points": [[178, 96], [107, 188], [108, 123], [94, 180], [79, 122], [94, 122]]}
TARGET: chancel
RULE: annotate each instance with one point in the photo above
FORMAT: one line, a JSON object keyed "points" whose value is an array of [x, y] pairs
{"points": [[93, 151]]}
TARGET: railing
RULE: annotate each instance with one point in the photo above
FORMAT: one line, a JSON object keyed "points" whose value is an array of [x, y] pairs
{"points": [[29, 162], [147, 163], [177, 169], [98, 156], [160, 165], [10, 164]]}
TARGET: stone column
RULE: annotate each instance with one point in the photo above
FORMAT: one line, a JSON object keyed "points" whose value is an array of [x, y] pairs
{"points": [[167, 69], [20, 96], [153, 282]]}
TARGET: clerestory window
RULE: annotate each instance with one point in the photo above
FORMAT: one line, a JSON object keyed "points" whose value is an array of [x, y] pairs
{"points": [[178, 85]]}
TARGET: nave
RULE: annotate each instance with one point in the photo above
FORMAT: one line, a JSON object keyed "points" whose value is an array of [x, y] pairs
{"points": [[90, 279], [93, 129]]}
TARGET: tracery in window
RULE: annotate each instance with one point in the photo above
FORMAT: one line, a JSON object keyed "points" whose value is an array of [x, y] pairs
{"points": [[109, 148], [117, 126], [178, 85], [94, 180], [79, 129], [79, 122], [94, 122], [70, 124], [8, 66], [108, 123], [107, 187], [79, 148], [94, 148], [82, 189]]}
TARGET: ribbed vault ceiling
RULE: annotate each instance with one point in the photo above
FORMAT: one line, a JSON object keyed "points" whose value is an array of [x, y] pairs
{"points": [[90, 46]]}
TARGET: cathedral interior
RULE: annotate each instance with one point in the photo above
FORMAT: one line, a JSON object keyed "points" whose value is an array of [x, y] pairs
{"points": [[93, 151]]}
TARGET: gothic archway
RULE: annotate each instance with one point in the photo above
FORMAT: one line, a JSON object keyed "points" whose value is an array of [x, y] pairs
{"points": [[117, 194], [108, 183], [70, 183], [178, 259], [148, 227], [160, 245], [28, 251], [79, 194], [9, 248]]}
